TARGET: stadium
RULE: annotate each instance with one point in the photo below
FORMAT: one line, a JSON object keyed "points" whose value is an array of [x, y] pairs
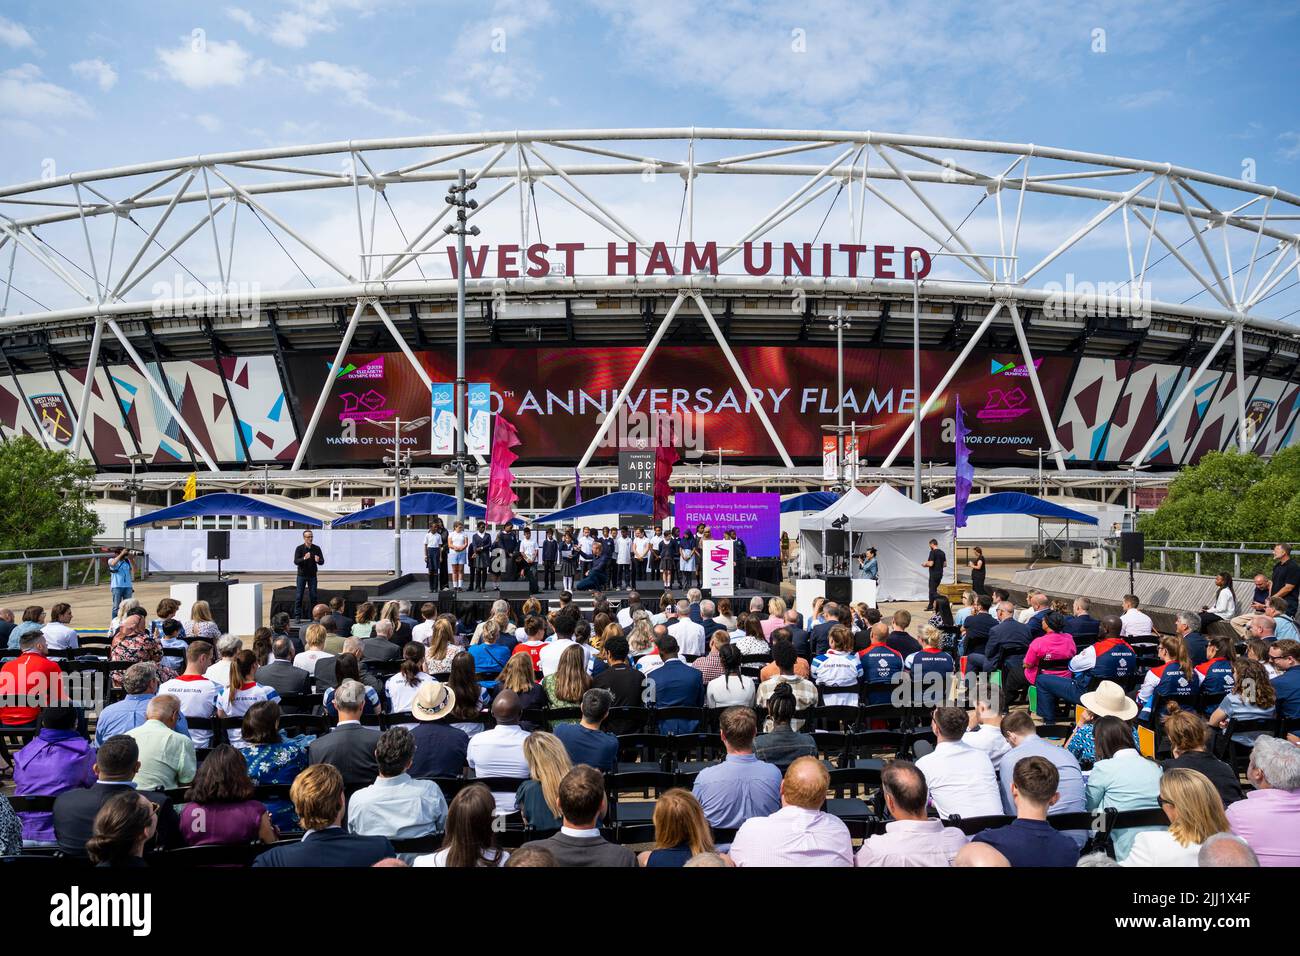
{"points": [[155, 276], [271, 357]]}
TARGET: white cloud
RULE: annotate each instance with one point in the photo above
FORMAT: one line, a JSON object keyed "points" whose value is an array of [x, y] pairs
{"points": [[354, 84], [1143, 100], [97, 71], [208, 122], [24, 92], [1291, 145], [200, 64], [294, 27], [495, 54], [15, 35]]}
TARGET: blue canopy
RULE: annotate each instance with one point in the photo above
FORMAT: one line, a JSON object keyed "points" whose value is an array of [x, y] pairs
{"points": [[809, 501], [1015, 503], [615, 503], [420, 503], [227, 503]]}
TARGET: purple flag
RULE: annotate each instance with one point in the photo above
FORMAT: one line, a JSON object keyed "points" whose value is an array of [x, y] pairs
{"points": [[577, 487], [965, 471]]}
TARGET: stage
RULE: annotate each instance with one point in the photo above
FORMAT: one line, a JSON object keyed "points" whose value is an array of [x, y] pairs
{"points": [[415, 588]]}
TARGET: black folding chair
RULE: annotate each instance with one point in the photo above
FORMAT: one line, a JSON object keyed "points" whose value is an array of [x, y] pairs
{"points": [[641, 782], [845, 783]]}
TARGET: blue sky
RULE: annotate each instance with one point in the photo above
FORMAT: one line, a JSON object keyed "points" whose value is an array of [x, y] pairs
{"points": [[90, 85]]}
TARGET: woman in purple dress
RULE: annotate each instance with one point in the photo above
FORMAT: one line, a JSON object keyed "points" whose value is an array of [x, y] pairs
{"points": [[221, 808]]}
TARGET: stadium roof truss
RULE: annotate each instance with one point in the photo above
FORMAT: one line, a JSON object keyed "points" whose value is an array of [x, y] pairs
{"points": [[97, 237]]}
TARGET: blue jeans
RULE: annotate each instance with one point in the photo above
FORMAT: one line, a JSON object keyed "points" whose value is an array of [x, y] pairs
{"points": [[120, 595], [1052, 687], [592, 582], [308, 585]]}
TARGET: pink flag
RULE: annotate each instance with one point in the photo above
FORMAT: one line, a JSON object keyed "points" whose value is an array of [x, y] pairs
{"points": [[501, 495]]}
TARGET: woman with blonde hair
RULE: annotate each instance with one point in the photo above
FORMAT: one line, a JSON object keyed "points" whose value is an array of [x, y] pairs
{"points": [[201, 623], [392, 613], [681, 831], [538, 799], [532, 608], [365, 621], [517, 676], [442, 648], [314, 638], [776, 609], [1195, 813], [639, 644], [641, 634], [570, 681]]}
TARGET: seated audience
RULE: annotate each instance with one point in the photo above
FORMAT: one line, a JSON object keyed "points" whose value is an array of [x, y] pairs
{"points": [[402, 687], [565, 687], [1284, 657], [167, 758], [347, 667], [442, 647], [1269, 818], [1189, 737], [1108, 700], [1226, 850], [471, 698], [1049, 654], [731, 688], [220, 808], [1121, 778], [675, 684], [116, 763], [499, 752], [490, 654], [242, 691], [321, 804], [1022, 734], [586, 741], [1173, 680], [582, 806], [1136, 623], [1030, 840], [470, 839], [538, 798], [57, 759], [273, 757], [1081, 625], [624, 682], [439, 747], [800, 833], [315, 652], [1195, 814], [784, 671], [911, 837], [741, 786], [959, 777], [195, 691], [781, 745], [1252, 698], [34, 681], [280, 672], [132, 643], [838, 667], [397, 805], [349, 747], [59, 633], [140, 682], [985, 731], [122, 828], [681, 832]]}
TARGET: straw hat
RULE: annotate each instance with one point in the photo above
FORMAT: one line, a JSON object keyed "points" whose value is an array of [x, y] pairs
{"points": [[1109, 700], [434, 701]]}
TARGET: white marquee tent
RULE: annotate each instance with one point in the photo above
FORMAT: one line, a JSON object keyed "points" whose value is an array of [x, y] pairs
{"points": [[895, 525]]}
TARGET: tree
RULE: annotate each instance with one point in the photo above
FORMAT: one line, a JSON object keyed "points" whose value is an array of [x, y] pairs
{"points": [[44, 503], [1230, 496]]}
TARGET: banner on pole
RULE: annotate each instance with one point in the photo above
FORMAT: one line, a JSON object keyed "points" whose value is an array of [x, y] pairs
{"points": [[719, 567], [443, 400], [829, 470], [478, 440], [477, 418]]}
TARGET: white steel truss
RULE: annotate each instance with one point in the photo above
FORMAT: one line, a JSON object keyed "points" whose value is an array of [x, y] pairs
{"points": [[59, 241]]}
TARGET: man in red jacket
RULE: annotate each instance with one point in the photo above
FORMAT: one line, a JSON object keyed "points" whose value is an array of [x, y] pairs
{"points": [[29, 682]]}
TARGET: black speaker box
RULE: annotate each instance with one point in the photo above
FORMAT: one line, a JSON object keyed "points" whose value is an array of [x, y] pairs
{"points": [[839, 590], [218, 545], [217, 594], [1132, 546]]}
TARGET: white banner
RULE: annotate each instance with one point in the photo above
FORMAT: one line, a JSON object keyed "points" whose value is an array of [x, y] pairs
{"points": [[719, 567], [184, 551], [830, 471]]}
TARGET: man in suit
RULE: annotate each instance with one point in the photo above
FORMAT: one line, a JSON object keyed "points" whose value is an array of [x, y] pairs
{"points": [[798, 636], [324, 673], [707, 611], [1005, 651], [342, 623], [978, 625], [1081, 625], [319, 800], [282, 675], [379, 646], [550, 557], [1188, 626], [582, 805], [676, 684], [349, 746], [116, 763], [624, 681]]}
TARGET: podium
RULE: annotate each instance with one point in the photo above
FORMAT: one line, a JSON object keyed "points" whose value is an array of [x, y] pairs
{"points": [[236, 608]]}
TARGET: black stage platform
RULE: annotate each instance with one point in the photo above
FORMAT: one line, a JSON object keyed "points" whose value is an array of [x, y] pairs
{"points": [[415, 588]]}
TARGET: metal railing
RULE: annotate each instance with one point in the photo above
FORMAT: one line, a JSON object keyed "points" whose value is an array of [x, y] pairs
{"points": [[1198, 550], [31, 557]]}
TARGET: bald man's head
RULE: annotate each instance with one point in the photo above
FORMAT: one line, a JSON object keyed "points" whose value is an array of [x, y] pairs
{"points": [[805, 784], [1111, 626], [979, 854], [505, 708]]}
